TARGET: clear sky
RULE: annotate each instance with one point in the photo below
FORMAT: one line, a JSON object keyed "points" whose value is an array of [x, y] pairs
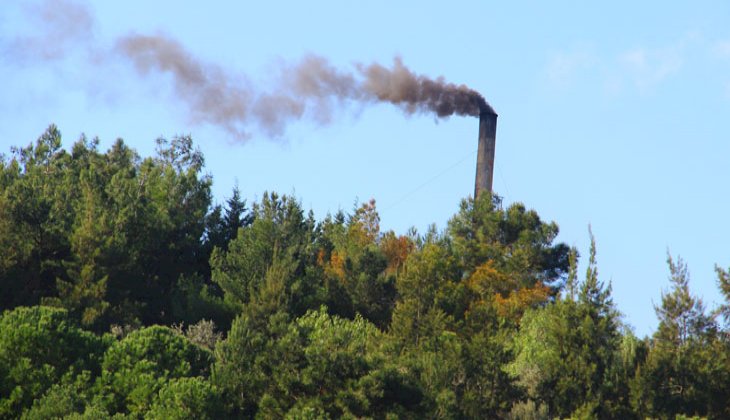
{"points": [[613, 115]]}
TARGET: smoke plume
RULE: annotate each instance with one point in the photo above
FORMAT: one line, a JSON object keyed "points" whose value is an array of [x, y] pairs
{"points": [[311, 88], [58, 27]]}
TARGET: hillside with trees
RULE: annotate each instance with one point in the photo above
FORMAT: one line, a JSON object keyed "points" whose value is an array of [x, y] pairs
{"points": [[126, 293]]}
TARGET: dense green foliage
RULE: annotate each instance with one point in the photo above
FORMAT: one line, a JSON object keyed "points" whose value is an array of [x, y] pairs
{"points": [[126, 293]]}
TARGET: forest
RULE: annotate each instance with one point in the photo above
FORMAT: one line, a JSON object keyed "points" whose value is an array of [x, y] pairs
{"points": [[127, 293]]}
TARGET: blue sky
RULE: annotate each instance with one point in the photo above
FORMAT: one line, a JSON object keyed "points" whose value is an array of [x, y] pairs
{"points": [[611, 115]]}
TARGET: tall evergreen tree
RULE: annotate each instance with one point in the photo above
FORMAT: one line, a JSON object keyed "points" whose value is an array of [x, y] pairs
{"points": [[236, 215], [566, 354], [683, 373], [681, 315], [36, 220], [723, 283]]}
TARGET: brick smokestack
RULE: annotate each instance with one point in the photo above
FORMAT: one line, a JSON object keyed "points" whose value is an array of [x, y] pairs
{"points": [[485, 152]]}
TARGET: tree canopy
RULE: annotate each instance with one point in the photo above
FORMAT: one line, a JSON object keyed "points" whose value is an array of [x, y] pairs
{"points": [[128, 293]]}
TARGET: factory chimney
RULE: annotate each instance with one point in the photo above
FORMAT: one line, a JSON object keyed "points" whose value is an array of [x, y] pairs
{"points": [[485, 152]]}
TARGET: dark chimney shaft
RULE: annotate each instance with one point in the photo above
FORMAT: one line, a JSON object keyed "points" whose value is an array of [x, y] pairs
{"points": [[485, 152]]}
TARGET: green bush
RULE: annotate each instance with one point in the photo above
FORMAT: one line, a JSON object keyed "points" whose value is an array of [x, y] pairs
{"points": [[187, 398], [137, 367], [39, 347]]}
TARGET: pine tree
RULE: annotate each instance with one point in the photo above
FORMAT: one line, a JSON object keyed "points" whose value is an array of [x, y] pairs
{"points": [[681, 315], [236, 215], [678, 368]]}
